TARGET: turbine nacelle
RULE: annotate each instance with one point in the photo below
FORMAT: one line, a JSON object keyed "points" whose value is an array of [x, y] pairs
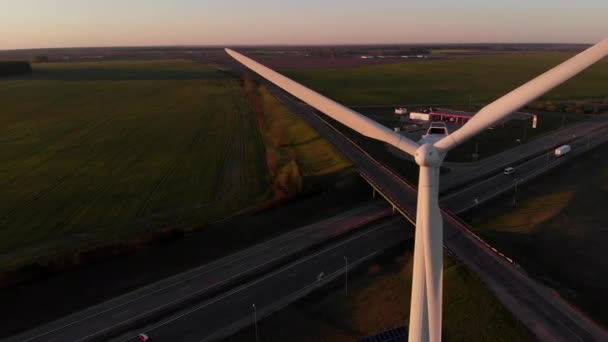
{"points": [[428, 155]]}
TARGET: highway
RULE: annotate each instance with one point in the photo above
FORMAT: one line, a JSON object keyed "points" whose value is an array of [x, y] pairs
{"points": [[172, 294], [224, 315], [463, 174], [546, 315], [497, 184]]}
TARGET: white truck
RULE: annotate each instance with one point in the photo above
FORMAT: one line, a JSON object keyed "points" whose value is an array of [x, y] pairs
{"points": [[560, 151], [401, 111]]}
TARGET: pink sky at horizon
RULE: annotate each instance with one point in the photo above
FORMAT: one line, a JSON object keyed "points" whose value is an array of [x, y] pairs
{"points": [[72, 23]]}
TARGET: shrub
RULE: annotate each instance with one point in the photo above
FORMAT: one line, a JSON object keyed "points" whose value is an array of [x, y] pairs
{"points": [[12, 68], [41, 59]]}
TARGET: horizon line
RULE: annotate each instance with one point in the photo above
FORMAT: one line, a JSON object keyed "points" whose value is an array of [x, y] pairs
{"points": [[220, 46]]}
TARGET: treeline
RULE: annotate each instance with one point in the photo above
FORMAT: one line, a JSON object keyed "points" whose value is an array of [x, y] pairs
{"points": [[388, 51], [576, 107], [11, 68]]}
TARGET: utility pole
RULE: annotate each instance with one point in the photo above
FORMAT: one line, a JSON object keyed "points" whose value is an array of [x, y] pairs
{"points": [[346, 275], [476, 153], [255, 321]]}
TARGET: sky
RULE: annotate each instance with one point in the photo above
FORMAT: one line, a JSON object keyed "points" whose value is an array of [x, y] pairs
{"points": [[74, 23]]}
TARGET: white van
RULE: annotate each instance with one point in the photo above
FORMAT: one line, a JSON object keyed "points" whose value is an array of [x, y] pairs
{"points": [[509, 170]]}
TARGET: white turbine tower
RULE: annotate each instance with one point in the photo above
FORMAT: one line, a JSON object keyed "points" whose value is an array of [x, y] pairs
{"points": [[426, 303]]}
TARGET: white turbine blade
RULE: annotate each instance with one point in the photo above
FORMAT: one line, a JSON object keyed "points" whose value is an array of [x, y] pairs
{"points": [[499, 109], [344, 115]]}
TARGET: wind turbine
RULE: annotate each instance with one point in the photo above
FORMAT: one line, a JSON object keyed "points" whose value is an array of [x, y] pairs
{"points": [[426, 303]]}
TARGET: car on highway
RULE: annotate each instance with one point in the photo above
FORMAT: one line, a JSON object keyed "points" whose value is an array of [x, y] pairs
{"points": [[509, 170], [560, 151]]}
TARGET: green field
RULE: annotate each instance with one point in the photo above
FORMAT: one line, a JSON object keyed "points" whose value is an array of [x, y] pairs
{"points": [[315, 156], [557, 231], [449, 80], [379, 299], [94, 153]]}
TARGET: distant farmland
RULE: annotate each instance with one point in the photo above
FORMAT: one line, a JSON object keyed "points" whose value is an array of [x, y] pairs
{"points": [[92, 153], [448, 80]]}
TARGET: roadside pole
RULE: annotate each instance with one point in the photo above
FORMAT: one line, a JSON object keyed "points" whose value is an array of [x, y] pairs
{"points": [[255, 322], [515, 194], [346, 275]]}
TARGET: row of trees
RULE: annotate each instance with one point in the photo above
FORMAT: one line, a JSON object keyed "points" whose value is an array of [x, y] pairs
{"points": [[11, 68], [578, 107]]}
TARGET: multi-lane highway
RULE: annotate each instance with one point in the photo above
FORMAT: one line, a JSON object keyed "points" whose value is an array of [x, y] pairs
{"points": [[496, 184], [172, 294], [462, 174], [227, 313]]}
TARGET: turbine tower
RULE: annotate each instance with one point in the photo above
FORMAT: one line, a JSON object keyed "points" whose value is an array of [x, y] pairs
{"points": [[426, 303]]}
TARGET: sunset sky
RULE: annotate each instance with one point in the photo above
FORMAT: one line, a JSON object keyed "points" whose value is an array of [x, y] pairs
{"points": [[70, 23]]}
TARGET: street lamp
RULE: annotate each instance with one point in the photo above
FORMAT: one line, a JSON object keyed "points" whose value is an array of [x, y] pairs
{"points": [[476, 154], [255, 321], [346, 276], [515, 194]]}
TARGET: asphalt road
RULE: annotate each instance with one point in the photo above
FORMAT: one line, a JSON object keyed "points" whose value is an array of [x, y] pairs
{"points": [[464, 174], [171, 294], [546, 315], [227, 313], [497, 184]]}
